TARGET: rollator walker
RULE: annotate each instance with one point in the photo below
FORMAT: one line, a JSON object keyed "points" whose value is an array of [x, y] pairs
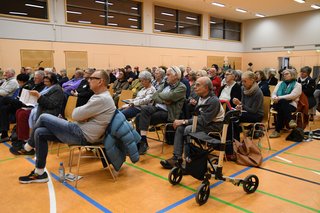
{"points": [[203, 165]]}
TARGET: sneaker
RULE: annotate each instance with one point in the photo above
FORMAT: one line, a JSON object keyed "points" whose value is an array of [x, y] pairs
{"points": [[21, 151], [17, 144], [34, 178], [292, 124], [143, 148], [274, 134], [169, 163]]}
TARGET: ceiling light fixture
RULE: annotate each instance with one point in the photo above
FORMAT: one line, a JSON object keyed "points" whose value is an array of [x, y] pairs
{"points": [[74, 12], [241, 10], [159, 24], [218, 4], [112, 24], [18, 13], [300, 1], [315, 6], [167, 14], [132, 19], [260, 15], [134, 8], [100, 2], [213, 22], [33, 5], [84, 22], [133, 26], [191, 18]]}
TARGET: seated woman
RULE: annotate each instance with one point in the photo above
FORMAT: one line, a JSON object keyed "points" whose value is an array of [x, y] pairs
{"points": [[143, 97], [251, 103], [285, 100], [231, 89], [261, 79], [120, 84], [49, 100]]}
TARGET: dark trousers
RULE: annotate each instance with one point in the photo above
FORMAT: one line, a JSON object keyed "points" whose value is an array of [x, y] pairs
{"points": [[130, 112], [8, 107], [284, 110], [150, 115]]}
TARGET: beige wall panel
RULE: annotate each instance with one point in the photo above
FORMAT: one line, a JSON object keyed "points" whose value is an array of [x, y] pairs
{"points": [[219, 60], [116, 61], [100, 61], [36, 58], [75, 59]]}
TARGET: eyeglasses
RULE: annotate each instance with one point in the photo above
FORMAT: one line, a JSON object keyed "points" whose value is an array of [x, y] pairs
{"points": [[94, 78], [286, 73]]}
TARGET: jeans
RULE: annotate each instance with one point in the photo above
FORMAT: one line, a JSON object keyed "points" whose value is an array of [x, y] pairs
{"points": [[130, 112], [150, 115], [52, 128]]}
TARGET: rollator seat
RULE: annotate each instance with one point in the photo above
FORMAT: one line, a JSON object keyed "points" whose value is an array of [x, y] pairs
{"points": [[204, 137]]}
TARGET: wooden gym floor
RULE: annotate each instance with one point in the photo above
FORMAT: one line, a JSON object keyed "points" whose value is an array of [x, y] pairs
{"points": [[289, 182]]}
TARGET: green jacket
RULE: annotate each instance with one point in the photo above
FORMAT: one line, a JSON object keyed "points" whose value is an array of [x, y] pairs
{"points": [[176, 96]]}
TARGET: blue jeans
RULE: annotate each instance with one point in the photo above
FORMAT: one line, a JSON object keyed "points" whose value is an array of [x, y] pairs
{"points": [[52, 128], [130, 112]]}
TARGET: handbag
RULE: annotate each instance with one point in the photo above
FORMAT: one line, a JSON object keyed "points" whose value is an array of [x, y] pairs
{"points": [[247, 153]]}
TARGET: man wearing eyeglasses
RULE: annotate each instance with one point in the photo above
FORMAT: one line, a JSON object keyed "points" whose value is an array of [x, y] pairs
{"points": [[168, 102], [210, 119], [91, 121]]}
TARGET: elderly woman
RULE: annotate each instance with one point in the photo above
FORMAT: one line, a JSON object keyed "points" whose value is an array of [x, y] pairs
{"points": [[120, 84], [261, 79], [285, 98], [251, 103], [231, 89], [143, 98], [49, 100], [272, 80], [159, 79]]}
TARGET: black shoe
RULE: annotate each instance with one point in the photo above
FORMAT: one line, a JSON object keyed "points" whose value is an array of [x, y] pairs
{"points": [[17, 151], [18, 144], [34, 178], [143, 148], [4, 139], [169, 163]]}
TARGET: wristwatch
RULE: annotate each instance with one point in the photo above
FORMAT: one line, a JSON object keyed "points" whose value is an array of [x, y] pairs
{"points": [[184, 122]]}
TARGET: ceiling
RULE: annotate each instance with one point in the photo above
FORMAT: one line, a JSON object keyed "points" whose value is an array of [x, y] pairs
{"points": [[266, 7]]}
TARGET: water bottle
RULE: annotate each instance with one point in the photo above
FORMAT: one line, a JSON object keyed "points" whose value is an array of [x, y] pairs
{"points": [[61, 173]]}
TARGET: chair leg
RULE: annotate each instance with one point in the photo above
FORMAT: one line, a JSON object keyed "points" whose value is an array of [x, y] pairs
{"points": [[78, 167], [108, 165], [266, 134]]}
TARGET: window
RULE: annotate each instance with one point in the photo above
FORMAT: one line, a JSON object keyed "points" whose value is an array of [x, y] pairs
{"points": [[225, 29], [25, 8], [177, 21], [115, 13]]}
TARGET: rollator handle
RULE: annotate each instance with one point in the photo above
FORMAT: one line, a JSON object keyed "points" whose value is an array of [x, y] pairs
{"points": [[231, 115]]}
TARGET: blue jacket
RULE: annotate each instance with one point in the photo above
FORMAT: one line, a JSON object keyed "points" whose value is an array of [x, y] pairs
{"points": [[121, 140]]}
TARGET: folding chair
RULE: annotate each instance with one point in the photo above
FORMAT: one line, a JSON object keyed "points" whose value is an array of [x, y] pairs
{"points": [[125, 94], [99, 153], [264, 123]]}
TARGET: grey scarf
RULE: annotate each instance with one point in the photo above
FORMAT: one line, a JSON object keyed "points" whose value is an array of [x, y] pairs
{"points": [[252, 90]]}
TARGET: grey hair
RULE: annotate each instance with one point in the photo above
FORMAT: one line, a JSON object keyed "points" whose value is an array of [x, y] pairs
{"points": [[80, 71], [162, 72], [202, 73], [232, 72], [48, 69], [11, 71], [208, 83], [39, 72], [182, 68], [248, 74], [145, 75], [176, 70], [293, 73]]}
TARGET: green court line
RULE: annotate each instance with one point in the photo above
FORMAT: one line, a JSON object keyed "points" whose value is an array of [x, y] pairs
{"points": [[7, 159], [187, 187], [294, 165], [289, 153], [289, 201], [230, 204]]}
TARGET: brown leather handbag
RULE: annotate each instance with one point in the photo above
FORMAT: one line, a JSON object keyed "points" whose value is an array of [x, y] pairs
{"points": [[247, 153]]}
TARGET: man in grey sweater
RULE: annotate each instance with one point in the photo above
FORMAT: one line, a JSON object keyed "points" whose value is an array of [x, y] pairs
{"points": [[91, 122], [209, 119]]}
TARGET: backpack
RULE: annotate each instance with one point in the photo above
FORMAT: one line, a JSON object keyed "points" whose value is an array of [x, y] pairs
{"points": [[296, 135], [247, 153]]}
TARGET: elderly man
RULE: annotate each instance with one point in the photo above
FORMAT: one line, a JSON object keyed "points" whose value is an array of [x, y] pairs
{"points": [[11, 104], [73, 83], [216, 80], [10, 84], [91, 121], [168, 102], [209, 120]]}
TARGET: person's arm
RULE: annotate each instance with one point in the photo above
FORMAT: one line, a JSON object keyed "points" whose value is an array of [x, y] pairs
{"points": [[11, 86], [308, 89], [295, 93], [51, 99], [174, 95], [146, 99], [255, 106]]}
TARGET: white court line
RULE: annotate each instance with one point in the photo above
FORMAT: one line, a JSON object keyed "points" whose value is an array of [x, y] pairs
{"points": [[288, 161], [316, 172], [52, 195]]}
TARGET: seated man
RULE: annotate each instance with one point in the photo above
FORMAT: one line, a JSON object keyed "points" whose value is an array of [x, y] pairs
{"points": [[168, 102], [9, 86], [209, 120], [91, 121]]}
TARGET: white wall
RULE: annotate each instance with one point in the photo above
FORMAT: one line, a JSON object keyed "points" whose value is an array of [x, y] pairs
{"points": [[301, 30], [57, 30]]}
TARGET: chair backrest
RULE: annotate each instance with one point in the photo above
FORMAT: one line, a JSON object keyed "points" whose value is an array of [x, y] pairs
{"points": [[71, 104], [266, 108], [110, 88], [125, 94], [271, 88]]}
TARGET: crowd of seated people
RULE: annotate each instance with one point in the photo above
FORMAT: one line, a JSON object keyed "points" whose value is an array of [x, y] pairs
{"points": [[161, 95]]}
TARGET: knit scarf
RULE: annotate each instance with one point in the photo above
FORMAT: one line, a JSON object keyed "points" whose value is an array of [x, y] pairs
{"points": [[286, 87], [252, 90]]}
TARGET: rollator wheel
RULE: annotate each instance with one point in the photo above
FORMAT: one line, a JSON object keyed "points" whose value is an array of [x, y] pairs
{"points": [[202, 194], [250, 184], [175, 175]]}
